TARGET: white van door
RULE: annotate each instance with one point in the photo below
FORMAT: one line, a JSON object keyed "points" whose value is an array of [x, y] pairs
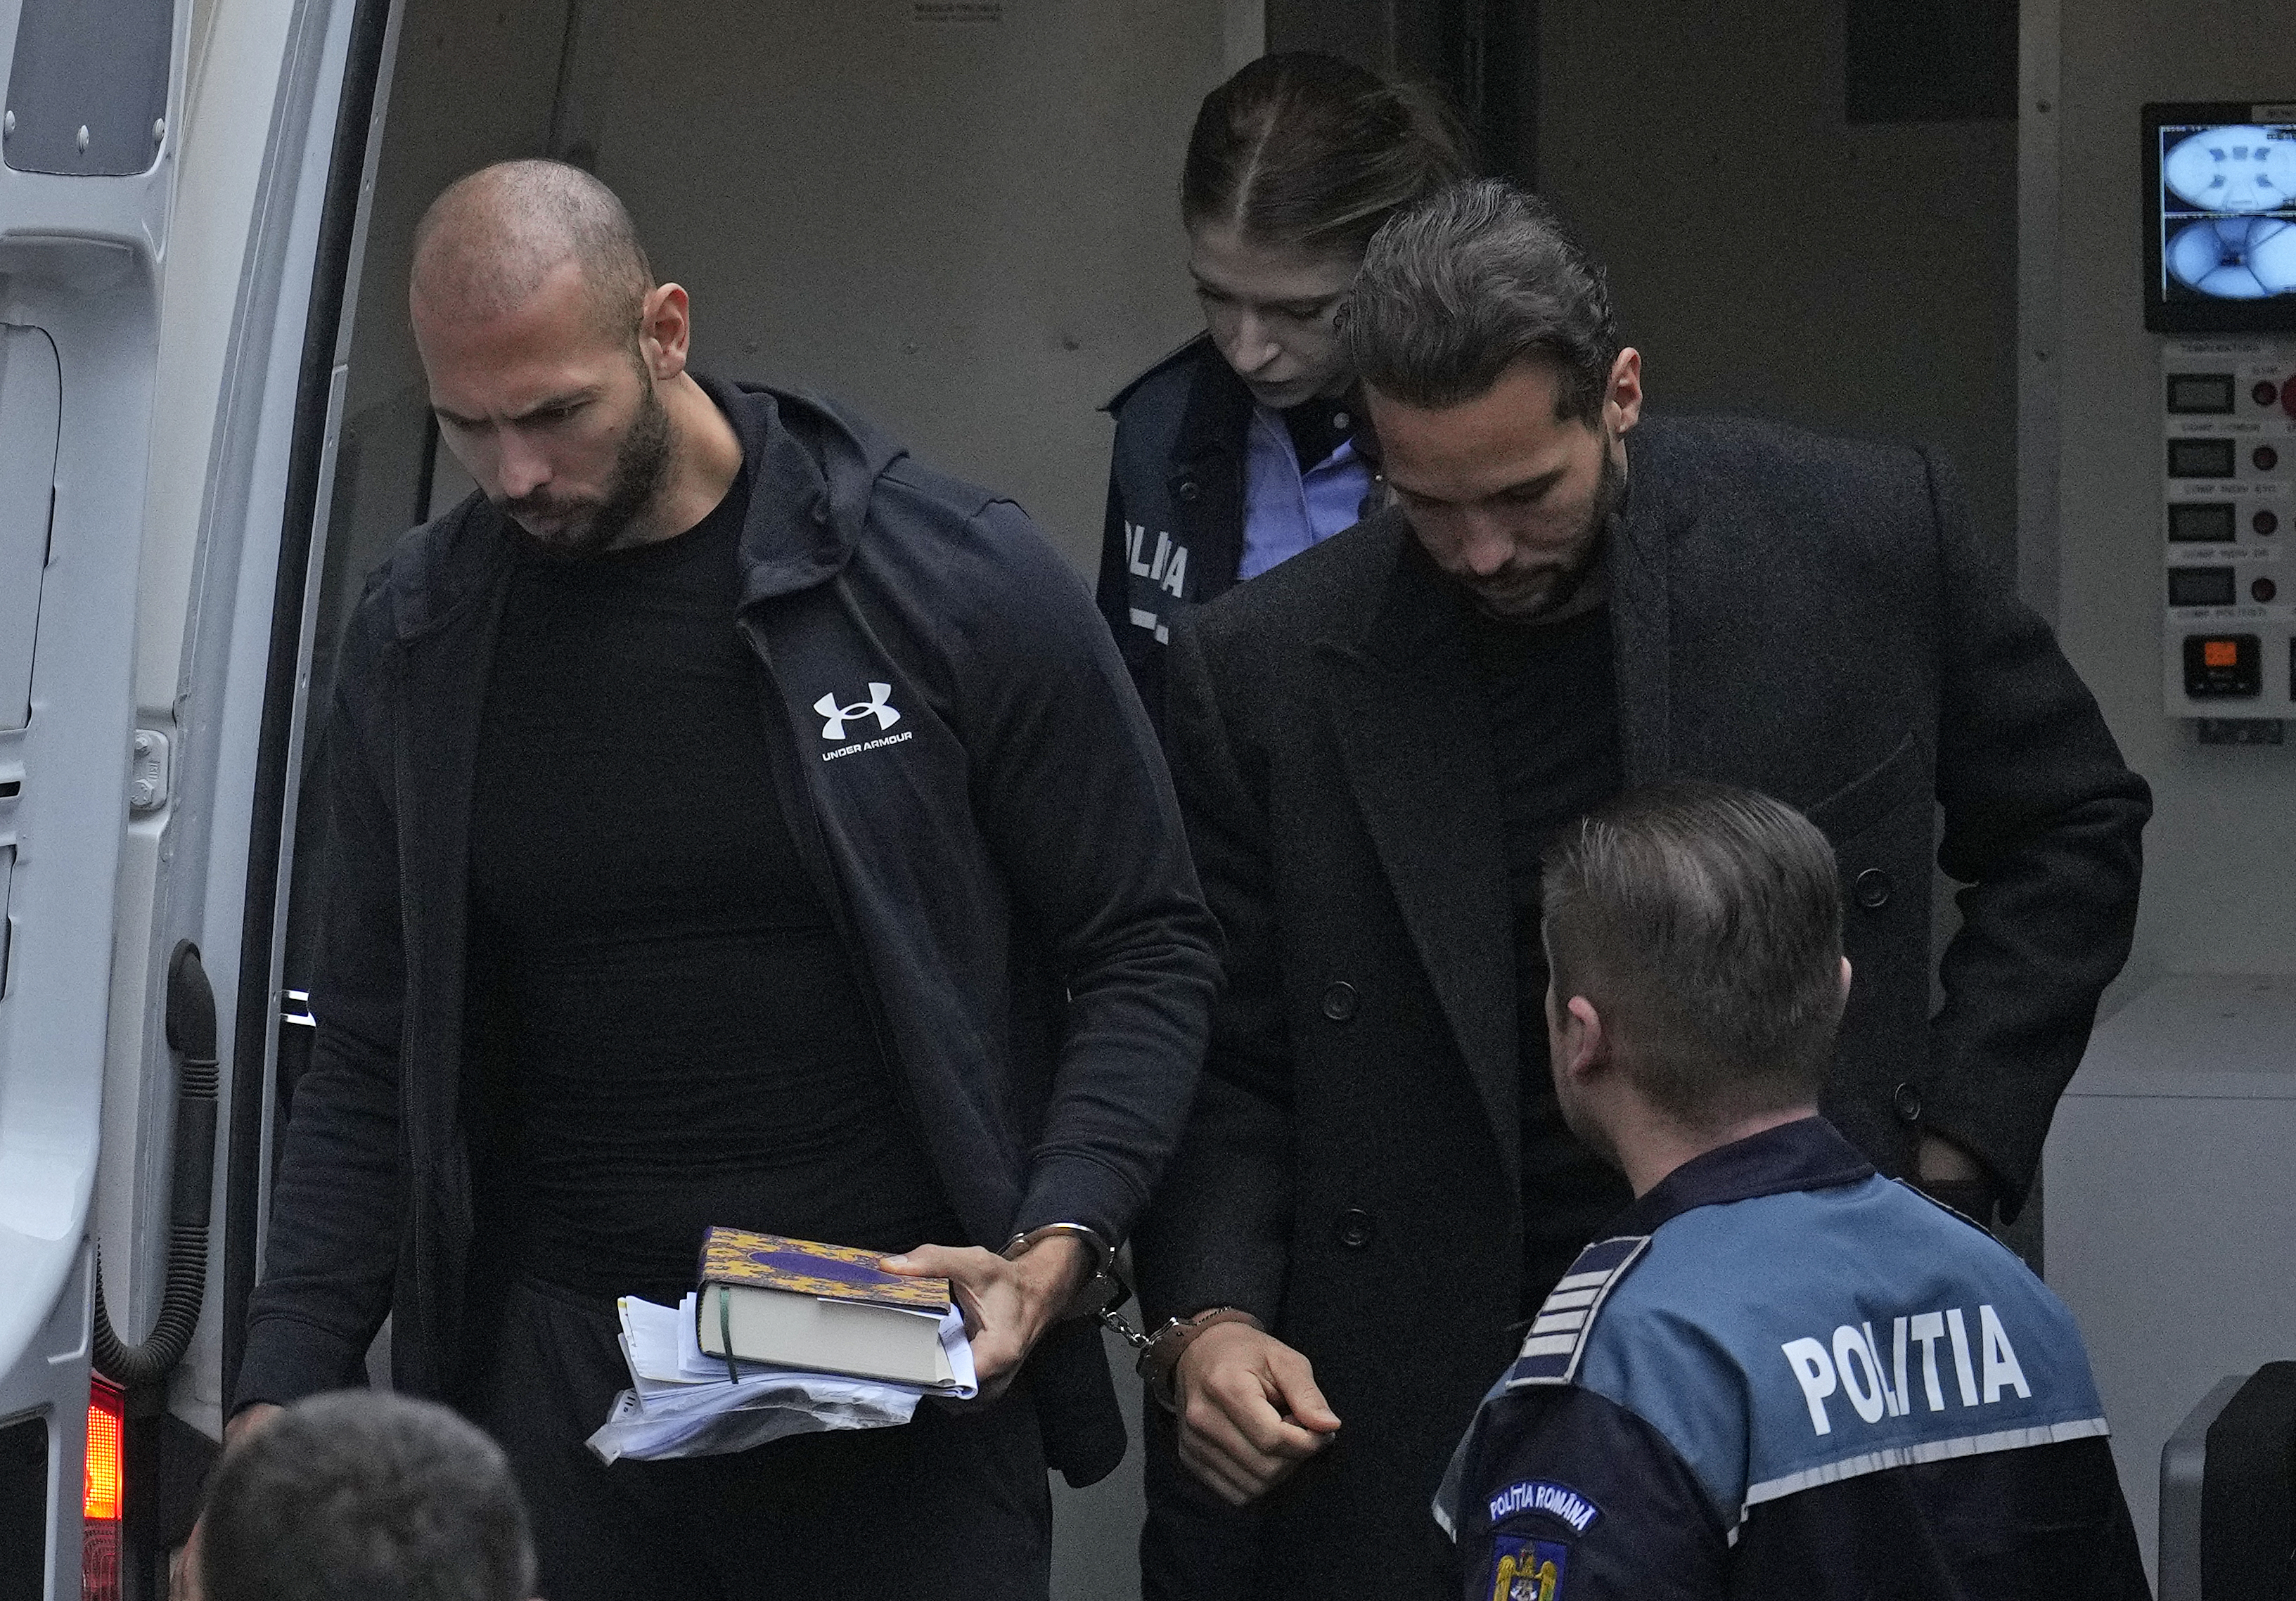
{"points": [[84, 201], [170, 304]]}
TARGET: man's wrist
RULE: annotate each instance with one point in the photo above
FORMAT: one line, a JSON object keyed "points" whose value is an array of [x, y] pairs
{"points": [[1159, 1357], [1058, 1269], [1947, 1172], [1082, 1254]]}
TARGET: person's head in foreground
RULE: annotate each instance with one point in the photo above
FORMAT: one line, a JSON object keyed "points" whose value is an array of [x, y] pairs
{"points": [[1498, 392], [1694, 937], [1293, 165], [363, 1496]]}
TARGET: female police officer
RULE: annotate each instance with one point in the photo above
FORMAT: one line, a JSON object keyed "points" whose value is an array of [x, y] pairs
{"points": [[1234, 452]]}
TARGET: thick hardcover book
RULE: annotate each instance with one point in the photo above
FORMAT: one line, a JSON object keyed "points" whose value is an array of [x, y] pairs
{"points": [[820, 1308]]}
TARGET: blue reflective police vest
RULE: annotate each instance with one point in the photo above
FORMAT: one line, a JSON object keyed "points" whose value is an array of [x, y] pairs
{"points": [[1785, 1375]]}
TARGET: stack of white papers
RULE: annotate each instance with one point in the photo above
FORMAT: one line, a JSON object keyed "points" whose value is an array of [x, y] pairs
{"points": [[683, 1403]]}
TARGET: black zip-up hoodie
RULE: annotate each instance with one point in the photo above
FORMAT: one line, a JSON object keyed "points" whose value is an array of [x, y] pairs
{"points": [[1001, 852]]}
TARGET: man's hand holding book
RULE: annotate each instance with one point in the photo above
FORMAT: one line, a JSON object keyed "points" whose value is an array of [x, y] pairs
{"points": [[1008, 1301]]}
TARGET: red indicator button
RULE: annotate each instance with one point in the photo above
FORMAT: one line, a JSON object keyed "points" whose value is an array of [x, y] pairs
{"points": [[2288, 399], [2263, 589], [2219, 653], [2266, 458]]}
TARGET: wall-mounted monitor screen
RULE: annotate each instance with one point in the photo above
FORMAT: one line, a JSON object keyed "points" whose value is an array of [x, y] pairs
{"points": [[2220, 217]]}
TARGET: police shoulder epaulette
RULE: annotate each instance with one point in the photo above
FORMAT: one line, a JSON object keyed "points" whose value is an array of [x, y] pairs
{"points": [[1558, 1335], [1187, 351]]}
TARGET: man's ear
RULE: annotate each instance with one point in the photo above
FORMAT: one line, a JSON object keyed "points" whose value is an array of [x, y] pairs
{"points": [[1622, 396], [665, 330], [1586, 1046]]}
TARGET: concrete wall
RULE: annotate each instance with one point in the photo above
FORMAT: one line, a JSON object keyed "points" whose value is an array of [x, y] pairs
{"points": [[2220, 856], [1767, 256], [969, 231]]}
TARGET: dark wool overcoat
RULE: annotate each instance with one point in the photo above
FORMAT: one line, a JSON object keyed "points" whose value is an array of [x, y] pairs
{"points": [[1808, 617]]}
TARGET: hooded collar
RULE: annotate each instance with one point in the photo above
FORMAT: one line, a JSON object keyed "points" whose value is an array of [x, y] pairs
{"points": [[813, 468]]}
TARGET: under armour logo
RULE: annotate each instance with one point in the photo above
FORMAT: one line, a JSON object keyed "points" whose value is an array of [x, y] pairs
{"points": [[833, 717]]}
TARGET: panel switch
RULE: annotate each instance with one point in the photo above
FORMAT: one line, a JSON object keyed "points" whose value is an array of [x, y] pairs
{"points": [[2223, 665]]}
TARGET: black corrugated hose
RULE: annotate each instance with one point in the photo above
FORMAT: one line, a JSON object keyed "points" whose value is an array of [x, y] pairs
{"points": [[191, 1038]]}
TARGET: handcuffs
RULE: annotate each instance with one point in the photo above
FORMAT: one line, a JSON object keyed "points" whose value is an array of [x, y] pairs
{"points": [[1104, 1293]]}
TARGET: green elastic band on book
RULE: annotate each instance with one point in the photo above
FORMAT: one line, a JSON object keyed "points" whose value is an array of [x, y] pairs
{"points": [[726, 1334]]}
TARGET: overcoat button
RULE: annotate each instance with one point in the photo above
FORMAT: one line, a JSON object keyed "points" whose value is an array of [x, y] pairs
{"points": [[1909, 1102], [1188, 490], [1354, 1228], [1340, 1002], [1873, 888]]}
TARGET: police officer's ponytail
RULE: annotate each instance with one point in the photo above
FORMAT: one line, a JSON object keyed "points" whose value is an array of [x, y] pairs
{"points": [[1305, 151]]}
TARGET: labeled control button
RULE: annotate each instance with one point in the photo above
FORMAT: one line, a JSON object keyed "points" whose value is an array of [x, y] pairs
{"points": [[1354, 1228], [2220, 666], [1908, 1100], [2264, 392], [2264, 522], [2263, 590], [1873, 888], [1340, 1002], [2266, 458]]}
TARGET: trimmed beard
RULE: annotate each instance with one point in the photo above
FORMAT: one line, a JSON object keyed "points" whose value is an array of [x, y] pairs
{"points": [[641, 463], [1609, 498]]}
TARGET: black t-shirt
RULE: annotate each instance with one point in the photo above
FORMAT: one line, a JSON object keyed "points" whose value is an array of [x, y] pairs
{"points": [[1554, 741], [680, 1032]]}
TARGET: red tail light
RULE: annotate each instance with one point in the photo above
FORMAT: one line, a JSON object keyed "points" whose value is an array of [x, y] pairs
{"points": [[106, 1487]]}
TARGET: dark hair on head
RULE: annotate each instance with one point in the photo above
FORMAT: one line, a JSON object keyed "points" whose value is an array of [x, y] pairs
{"points": [[1704, 923], [363, 1496], [1458, 287], [1309, 151]]}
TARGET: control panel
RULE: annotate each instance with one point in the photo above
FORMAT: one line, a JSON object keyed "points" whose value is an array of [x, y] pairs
{"points": [[2229, 511]]}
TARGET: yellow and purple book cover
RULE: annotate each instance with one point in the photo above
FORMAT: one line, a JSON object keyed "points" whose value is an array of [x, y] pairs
{"points": [[767, 1261]]}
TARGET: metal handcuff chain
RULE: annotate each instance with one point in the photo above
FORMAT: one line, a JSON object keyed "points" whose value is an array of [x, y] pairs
{"points": [[1106, 1308]]}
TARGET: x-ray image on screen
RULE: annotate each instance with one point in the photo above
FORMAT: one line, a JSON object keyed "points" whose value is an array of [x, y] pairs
{"points": [[2222, 224], [2231, 168], [2235, 258]]}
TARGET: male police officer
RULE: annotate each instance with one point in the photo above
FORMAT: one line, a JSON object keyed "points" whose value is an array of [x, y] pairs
{"points": [[731, 821], [1373, 743], [1779, 1374], [358, 1495]]}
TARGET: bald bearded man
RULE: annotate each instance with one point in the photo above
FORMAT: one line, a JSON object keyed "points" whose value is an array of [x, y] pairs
{"points": [[709, 800]]}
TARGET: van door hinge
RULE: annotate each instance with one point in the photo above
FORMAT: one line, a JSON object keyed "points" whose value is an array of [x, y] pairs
{"points": [[147, 775]]}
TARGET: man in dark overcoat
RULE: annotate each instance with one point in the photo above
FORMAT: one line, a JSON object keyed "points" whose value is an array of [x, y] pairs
{"points": [[1373, 745]]}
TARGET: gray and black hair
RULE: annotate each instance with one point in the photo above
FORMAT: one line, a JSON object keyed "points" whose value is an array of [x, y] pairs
{"points": [[1704, 923], [362, 1496], [1459, 287]]}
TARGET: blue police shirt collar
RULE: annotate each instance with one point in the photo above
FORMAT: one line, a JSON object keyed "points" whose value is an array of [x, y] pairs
{"points": [[1809, 1153]]}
